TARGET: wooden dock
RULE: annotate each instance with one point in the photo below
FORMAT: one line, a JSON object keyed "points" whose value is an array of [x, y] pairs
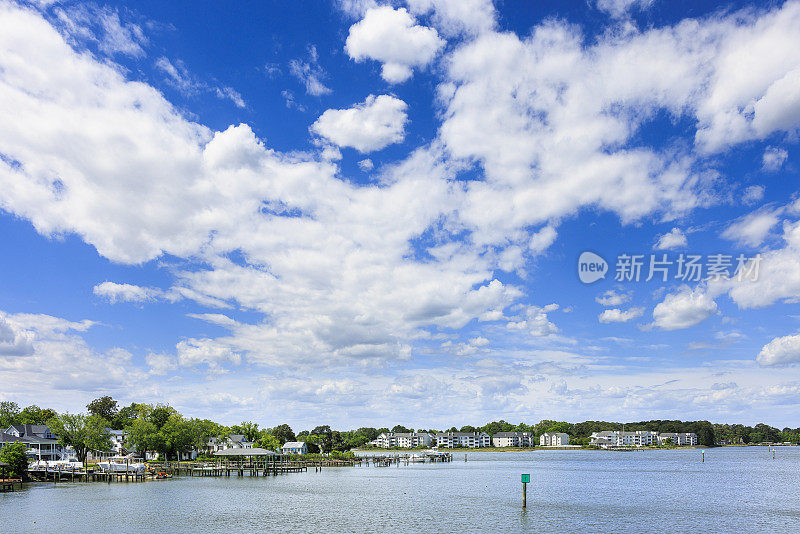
{"points": [[83, 475], [10, 485]]}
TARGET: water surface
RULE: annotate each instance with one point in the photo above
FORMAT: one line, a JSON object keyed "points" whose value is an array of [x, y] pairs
{"points": [[736, 489]]}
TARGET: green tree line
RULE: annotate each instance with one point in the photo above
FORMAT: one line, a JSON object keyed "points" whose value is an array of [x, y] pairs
{"points": [[162, 429]]}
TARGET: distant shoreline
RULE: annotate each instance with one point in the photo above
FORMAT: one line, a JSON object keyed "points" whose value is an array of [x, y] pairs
{"points": [[578, 448]]}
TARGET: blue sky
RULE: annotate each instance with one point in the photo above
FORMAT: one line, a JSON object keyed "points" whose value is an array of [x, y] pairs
{"points": [[367, 213]]}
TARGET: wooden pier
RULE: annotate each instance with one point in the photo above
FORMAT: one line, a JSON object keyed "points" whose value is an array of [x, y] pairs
{"points": [[83, 475], [9, 484]]}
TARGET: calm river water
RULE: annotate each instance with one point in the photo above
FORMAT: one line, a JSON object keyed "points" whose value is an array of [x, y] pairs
{"points": [[736, 489]]}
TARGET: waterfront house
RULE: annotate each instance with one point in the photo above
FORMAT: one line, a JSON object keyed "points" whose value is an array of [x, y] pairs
{"points": [[408, 440], [554, 439], [117, 438], [234, 441], [450, 440], [513, 439], [41, 442], [294, 447]]}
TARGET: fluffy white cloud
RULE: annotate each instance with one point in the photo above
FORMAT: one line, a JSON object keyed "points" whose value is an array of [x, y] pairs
{"points": [[675, 238], [773, 158], [772, 278], [737, 108], [541, 240], [615, 315], [115, 292], [752, 229], [45, 353], [393, 37], [620, 8], [780, 351], [552, 120], [612, 298], [370, 125], [683, 309], [535, 321], [453, 17], [14, 341]]}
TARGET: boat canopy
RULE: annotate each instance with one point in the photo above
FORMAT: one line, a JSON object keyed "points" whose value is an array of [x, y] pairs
{"points": [[255, 451]]}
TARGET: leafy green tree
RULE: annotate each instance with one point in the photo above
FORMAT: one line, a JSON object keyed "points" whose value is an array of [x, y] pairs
{"points": [[249, 429], [16, 456], [9, 414], [105, 407], [124, 417], [321, 430], [284, 433], [268, 441], [468, 428], [176, 436], [143, 436], [401, 428], [160, 414], [82, 432], [203, 430], [33, 415]]}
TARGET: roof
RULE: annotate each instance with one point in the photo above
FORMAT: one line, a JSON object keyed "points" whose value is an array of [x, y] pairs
{"points": [[510, 434], [459, 434], [255, 451], [294, 445]]}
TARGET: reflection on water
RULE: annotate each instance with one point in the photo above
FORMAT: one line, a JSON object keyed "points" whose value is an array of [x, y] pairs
{"points": [[736, 489]]}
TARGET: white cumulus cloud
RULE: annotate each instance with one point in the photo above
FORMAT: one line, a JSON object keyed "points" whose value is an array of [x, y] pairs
{"points": [[393, 37], [683, 309], [780, 351], [673, 239], [371, 125]]}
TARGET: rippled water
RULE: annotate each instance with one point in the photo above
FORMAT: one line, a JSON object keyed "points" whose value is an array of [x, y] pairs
{"points": [[736, 489]]}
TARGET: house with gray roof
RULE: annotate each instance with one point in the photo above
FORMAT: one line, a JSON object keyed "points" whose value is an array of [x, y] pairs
{"points": [[294, 447]]}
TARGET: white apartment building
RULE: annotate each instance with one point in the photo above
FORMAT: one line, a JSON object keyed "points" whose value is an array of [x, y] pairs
{"points": [[513, 439], [640, 438], [408, 440], [450, 440], [618, 438], [554, 439], [680, 439]]}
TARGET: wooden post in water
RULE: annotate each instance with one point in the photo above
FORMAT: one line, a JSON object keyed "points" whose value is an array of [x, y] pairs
{"points": [[525, 479], [704, 456]]}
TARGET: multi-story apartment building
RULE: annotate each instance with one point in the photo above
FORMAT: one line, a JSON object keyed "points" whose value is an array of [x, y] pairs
{"points": [[554, 439], [450, 440], [640, 438], [680, 439], [409, 440], [513, 439]]}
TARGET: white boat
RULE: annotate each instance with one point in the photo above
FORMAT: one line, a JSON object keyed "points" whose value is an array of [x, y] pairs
{"points": [[57, 465], [416, 458], [123, 464]]}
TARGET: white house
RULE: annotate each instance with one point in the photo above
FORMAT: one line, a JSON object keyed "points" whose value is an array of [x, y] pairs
{"points": [[513, 439], [294, 447], [450, 440], [234, 441], [409, 440], [118, 438], [41, 442], [554, 439]]}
